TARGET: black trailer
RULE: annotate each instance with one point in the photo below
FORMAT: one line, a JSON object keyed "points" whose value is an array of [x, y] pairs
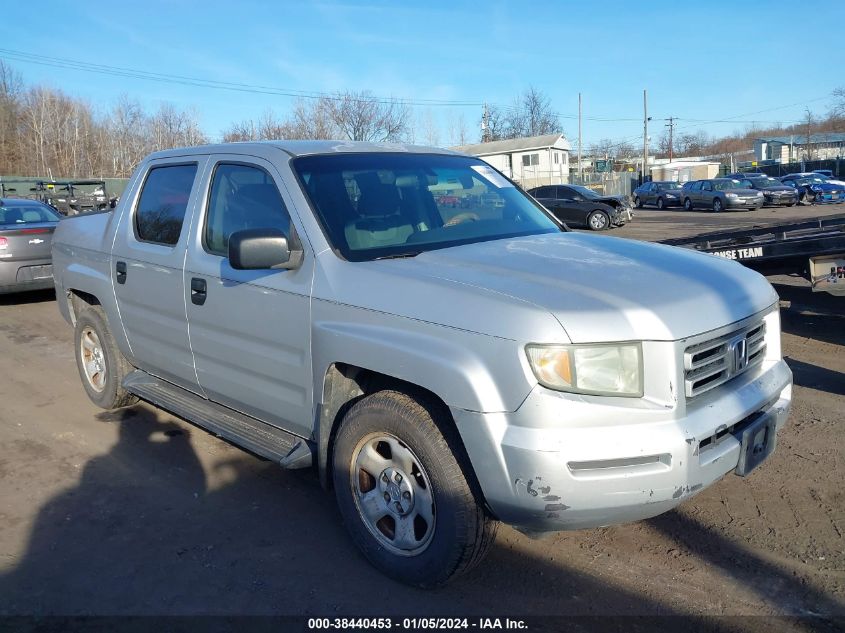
{"points": [[813, 248]]}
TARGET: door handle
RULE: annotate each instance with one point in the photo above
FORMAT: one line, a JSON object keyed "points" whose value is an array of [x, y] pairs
{"points": [[198, 291], [120, 272]]}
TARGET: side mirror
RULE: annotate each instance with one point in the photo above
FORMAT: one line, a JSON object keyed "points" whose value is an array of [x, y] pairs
{"points": [[260, 249]]}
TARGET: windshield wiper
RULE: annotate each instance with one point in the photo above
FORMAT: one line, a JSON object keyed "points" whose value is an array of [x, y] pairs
{"points": [[399, 255]]}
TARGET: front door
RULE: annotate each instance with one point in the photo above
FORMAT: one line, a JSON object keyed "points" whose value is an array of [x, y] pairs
{"points": [[250, 329], [147, 265]]}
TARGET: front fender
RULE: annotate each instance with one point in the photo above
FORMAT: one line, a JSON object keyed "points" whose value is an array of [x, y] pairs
{"points": [[466, 370]]}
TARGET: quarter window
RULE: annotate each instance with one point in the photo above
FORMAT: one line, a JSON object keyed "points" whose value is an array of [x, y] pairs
{"points": [[242, 197], [161, 207]]}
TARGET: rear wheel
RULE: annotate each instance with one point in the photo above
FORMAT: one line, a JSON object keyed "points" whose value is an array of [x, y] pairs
{"points": [[598, 220], [403, 493], [101, 365], [687, 204], [717, 205]]}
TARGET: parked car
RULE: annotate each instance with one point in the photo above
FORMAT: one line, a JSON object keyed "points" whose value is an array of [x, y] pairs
{"points": [[662, 193], [814, 188], [571, 207], [26, 231], [828, 173], [774, 191], [720, 194], [813, 174], [443, 369], [747, 174]]}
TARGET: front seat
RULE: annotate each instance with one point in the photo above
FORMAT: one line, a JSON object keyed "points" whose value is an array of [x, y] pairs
{"points": [[380, 222]]}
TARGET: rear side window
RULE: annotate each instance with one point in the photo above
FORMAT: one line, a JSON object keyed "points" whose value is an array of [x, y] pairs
{"points": [[163, 202], [242, 197]]}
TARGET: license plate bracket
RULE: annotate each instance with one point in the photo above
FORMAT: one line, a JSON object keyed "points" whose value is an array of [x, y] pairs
{"points": [[757, 442]]}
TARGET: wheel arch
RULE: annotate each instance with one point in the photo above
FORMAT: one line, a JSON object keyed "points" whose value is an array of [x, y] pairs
{"points": [[345, 384]]}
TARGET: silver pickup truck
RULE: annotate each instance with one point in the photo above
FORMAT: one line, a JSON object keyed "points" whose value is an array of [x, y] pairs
{"points": [[443, 365]]}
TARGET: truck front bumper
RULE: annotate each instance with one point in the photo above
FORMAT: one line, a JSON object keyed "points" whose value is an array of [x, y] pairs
{"points": [[565, 461]]}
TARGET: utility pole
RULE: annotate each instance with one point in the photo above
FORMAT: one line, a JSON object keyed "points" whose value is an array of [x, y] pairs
{"points": [[809, 121], [580, 168], [485, 125], [645, 135], [671, 126]]}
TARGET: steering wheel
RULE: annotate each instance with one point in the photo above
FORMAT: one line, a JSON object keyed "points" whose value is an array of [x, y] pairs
{"points": [[461, 218]]}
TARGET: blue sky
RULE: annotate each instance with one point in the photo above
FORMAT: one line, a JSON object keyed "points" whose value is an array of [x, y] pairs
{"points": [[700, 61]]}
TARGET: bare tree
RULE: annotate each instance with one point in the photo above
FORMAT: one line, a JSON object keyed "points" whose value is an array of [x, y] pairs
{"points": [[362, 117], [428, 127], [457, 125], [530, 115]]}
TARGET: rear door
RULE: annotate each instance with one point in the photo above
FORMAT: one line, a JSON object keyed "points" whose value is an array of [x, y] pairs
{"points": [[147, 267], [250, 329]]}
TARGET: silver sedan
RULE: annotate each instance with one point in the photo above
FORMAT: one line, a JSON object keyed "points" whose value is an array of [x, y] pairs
{"points": [[26, 232]]}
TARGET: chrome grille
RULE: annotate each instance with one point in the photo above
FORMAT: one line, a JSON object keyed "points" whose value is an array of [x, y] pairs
{"points": [[712, 363]]}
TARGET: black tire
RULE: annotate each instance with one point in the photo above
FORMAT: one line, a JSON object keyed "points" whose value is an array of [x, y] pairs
{"points": [[598, 220], [461, 531], [638, 203], [792, 204], [688, 204], [718, 207], [660, 204], [105, 388]]}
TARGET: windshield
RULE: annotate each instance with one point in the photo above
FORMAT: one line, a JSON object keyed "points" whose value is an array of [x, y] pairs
{"points": [[723, 185], [586, 192], [766, 182], [11, 213], [807, 180], [379, 205], [668, 186]]}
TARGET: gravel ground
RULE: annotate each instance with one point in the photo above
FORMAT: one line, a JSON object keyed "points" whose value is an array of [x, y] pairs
{"points": [[137, 512]]}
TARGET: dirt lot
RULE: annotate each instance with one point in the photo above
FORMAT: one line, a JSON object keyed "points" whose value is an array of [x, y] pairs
{"points": [[137, 512]]}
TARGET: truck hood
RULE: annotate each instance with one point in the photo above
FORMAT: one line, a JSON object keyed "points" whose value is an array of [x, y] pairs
{"points": [[598, 288]]}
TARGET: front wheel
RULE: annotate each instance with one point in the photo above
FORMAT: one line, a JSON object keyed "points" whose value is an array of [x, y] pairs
{"points": [[660, 204], [101, 365], [717, 205], [404, 493], [598, 221], [687, 204], [638, 203]]}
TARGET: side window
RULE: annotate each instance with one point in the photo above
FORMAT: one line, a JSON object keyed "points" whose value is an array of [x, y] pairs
{"points": [[162, 204], [241, 197], [707, 186]]}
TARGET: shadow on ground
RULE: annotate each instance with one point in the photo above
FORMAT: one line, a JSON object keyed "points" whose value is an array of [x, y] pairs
{"points": [[22, 298], [145, 532]]}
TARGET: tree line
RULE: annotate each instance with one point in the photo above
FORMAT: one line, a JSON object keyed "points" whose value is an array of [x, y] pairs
{"points": [[45, 131]]}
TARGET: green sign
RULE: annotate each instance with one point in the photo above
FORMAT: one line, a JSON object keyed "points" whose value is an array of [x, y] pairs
{"points": [[604, 165]]}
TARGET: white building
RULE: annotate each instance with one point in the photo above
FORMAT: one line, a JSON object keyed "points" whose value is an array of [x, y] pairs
{"points": [[791, 149], [531, 161]]}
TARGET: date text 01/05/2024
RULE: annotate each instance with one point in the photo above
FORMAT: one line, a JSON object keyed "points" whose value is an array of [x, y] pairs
{"points": [[413, 624]]}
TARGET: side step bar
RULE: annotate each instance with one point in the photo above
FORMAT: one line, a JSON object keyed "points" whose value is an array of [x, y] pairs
{"points": [[286, 449]]}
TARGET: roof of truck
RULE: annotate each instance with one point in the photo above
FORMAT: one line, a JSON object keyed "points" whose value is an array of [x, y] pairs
{"points": [[301, 148]]}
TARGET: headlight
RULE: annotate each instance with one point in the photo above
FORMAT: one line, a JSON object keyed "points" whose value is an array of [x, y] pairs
{"points": [[671, 195], [604, 370], [730, 195]]}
